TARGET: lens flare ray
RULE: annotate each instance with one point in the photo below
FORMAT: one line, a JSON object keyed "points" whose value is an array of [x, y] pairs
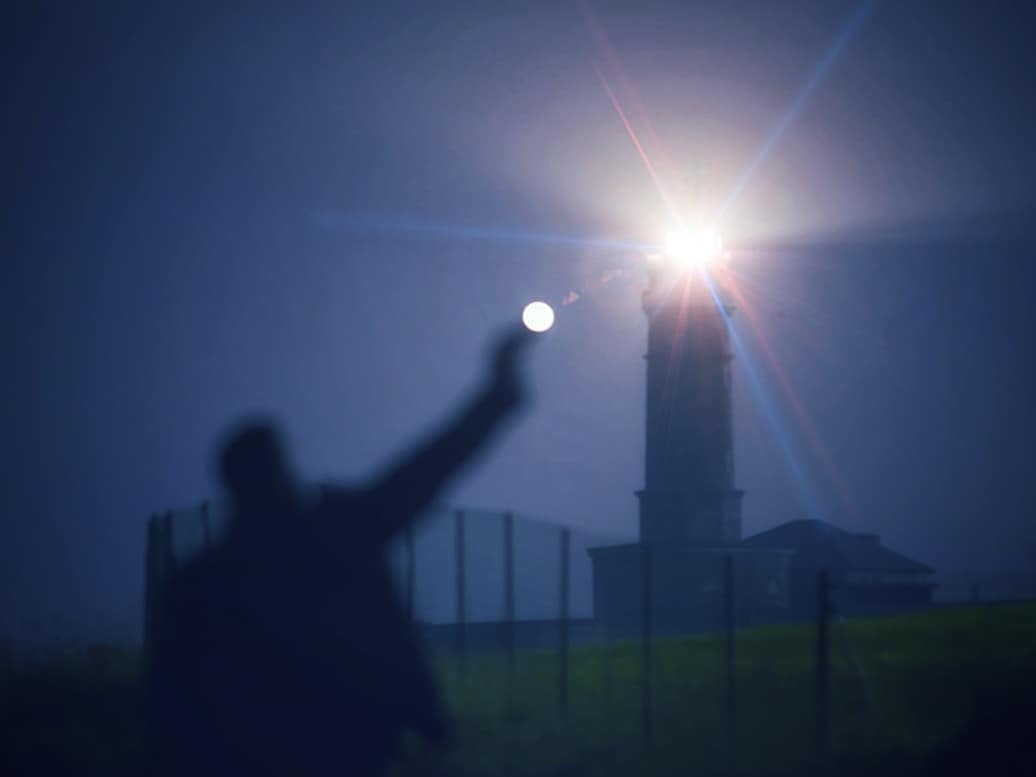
{"points": [[845, 36], [607, 53], [805, 420], [637, 144], [807, 492]]}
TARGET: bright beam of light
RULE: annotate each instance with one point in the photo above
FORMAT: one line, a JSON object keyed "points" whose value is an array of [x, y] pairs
{"points": [[693, 249], [842, 40], [807, 494], [804, 418], [383, 224]]}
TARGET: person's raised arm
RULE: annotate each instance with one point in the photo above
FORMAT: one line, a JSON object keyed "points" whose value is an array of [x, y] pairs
{"points": [[411, 485]]}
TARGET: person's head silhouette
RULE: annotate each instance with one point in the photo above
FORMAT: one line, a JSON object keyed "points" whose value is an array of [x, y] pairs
{"points": [[254, 468]]}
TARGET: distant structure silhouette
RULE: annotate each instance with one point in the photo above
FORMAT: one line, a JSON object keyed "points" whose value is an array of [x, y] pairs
{"points": [[284, 650], [690, 507]]}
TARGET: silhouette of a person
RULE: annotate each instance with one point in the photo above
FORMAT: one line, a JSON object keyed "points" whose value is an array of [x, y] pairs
{"points": [[285, 650]]}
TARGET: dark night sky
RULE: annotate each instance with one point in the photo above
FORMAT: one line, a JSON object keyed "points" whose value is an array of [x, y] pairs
{"points": [[323, 213]]}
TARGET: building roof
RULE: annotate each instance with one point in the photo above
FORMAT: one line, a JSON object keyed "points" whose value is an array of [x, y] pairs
{"points": [[818, 544]]}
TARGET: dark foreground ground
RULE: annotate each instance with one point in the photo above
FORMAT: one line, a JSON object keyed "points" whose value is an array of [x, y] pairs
{"points": [[941, 692]]}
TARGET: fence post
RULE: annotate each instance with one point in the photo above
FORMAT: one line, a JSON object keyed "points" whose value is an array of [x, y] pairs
{"points": [[645, 641], [509, 607], [461, 626], [730, 623], [823, 667], [566, 537], [151, 581], [168, 546], [206, 528], [607, 683], [411, 568]]}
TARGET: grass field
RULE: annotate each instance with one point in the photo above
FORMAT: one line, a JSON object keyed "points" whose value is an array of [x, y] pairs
{"points": [[911, 694]]}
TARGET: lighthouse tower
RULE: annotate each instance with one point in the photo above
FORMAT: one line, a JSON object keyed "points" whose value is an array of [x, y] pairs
{"points": [[689, 495], [689, 556]]}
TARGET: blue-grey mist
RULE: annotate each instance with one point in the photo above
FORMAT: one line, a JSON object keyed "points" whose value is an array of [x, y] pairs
{"points": [[185, 194]]}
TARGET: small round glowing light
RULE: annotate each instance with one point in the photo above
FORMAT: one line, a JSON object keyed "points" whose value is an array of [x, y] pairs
{"points": [[538, 316], [693, 250]]}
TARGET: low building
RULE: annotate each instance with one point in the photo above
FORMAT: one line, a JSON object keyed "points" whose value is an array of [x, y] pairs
{"points": [[866, 577]]}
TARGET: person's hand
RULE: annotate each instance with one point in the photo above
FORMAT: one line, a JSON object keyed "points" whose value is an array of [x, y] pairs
{"points": [[508, 360]]}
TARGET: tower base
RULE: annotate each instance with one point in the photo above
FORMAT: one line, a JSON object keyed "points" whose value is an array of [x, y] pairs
{"points": [[687, 586]]}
